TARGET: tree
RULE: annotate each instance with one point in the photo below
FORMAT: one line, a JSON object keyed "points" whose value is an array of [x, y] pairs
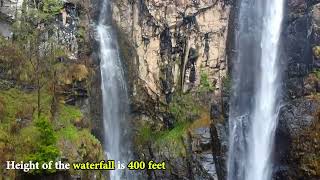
{"points": [[46, 150], [34, 32]]}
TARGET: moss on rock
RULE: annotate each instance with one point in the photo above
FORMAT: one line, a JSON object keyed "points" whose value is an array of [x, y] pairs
{"points": [[306, 147], [187, 114]]}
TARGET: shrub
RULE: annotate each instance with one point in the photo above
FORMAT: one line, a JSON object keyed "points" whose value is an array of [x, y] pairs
{"points": [[205, 84], [184, 107], [46, 149], [51, 8], [227, 85]]}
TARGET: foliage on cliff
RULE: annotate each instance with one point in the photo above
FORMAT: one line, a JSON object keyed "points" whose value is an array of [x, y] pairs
{"points": [[307, 149], [45, 150], [43, 139], [39, 88], [186, 114]]}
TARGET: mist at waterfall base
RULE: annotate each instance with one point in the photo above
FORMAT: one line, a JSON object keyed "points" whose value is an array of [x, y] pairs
{"points": [[254, 104], [114, 94]]}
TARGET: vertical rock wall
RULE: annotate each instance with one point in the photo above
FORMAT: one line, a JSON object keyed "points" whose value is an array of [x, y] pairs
{"points": [[10, 8], [297, 142], [175, 42], [169, 46]]}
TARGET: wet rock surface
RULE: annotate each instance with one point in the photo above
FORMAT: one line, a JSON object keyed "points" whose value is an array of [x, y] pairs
{"points": [[298, 119], [169, 47]]}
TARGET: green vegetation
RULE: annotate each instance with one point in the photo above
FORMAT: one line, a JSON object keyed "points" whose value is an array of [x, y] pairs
{"points": [[35, 122], [188, 114], [317, 73], [81, 33], [205, 85], [146, 134], [165, 139], [42, 139], [52, 7], [68, 113], [184, 107], [227, 84], [173, 139], [307, 148], [46, 149]]}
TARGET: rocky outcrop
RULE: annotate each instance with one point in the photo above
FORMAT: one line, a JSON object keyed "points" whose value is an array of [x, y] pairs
{"points": [[297, 140], [170, 47], [170, 44], [175, 41], [10, 9]]}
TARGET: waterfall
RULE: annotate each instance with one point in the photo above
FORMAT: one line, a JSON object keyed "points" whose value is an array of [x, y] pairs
{"points": [[114, 92], [254, 104]]}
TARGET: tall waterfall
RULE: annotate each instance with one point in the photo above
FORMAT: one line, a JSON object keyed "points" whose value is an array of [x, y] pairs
{"points": [[255, 101], [114, 92]]}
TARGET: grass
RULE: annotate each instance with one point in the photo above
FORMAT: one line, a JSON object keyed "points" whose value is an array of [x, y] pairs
{"points": [[70, 132], [68, 113], [188, 115], [13, 102], [167, 139], [174, 134], [173, 139]]}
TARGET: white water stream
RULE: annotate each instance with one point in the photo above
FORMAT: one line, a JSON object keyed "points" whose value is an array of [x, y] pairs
{"points": [[252, 129], [266, 108], [114, 92]]}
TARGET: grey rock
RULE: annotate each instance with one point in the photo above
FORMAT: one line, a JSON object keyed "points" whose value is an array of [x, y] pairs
{"points": [[10, 8]]}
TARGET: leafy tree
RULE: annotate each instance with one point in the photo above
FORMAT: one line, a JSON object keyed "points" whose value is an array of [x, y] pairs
{"points": [[46, 150], [35, 33]]}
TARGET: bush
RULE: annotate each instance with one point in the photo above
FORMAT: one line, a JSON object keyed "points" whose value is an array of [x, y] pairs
{"points": [[205, 85], [51, 8], [184, 108], [46, 149]]}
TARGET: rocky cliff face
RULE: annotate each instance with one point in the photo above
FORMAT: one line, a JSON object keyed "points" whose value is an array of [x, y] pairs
{"points": [[176, 55], [171, 47], [174, 43], [297, 135], [8, 12], [171, 44], [10, 9]]}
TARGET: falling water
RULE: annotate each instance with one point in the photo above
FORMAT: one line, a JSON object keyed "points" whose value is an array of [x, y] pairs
{"points": [[255, 102], [114, 92], [265, 112]]}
